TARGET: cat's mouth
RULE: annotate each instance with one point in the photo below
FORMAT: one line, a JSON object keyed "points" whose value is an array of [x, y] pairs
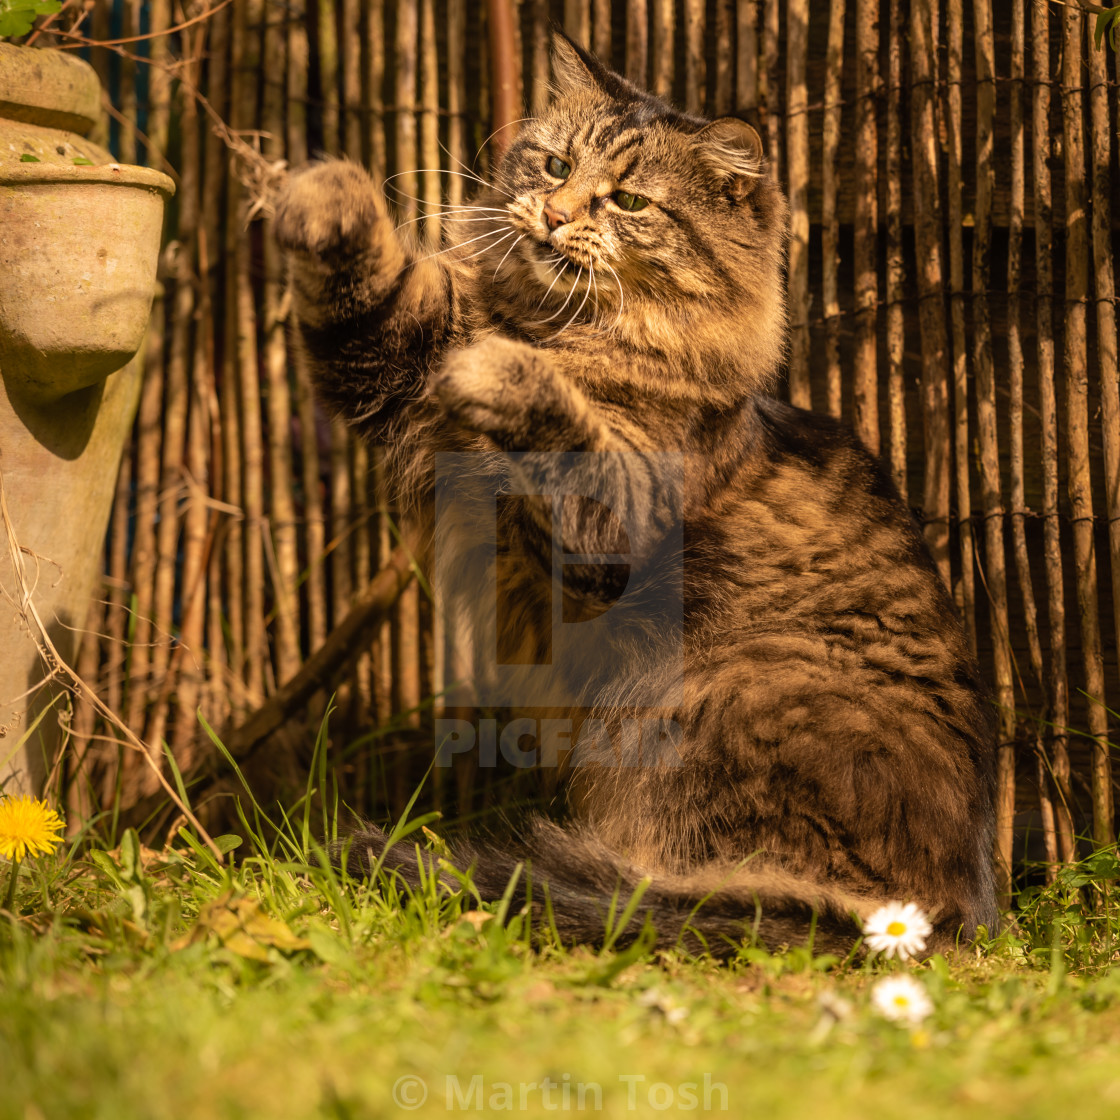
{"points": [[546, 258]]}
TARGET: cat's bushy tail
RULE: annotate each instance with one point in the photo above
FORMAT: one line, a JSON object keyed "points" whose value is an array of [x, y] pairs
{"points": [[714, 909]]}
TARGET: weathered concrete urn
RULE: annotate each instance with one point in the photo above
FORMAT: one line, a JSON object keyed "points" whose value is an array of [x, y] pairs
{"points": [[79, 242]]}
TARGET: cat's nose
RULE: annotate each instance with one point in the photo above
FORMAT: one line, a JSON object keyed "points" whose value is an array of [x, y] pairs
{"points": [[555, 217]]}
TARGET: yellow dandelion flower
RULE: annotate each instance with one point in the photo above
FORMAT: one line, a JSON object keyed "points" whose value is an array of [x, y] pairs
{"points": [[27, 825]]}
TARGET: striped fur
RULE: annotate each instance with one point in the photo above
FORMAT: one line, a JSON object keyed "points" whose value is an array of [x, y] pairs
{"points": [[838, 744]]}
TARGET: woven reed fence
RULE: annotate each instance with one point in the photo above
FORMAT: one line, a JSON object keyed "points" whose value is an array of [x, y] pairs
{"points": [[950, 167]]}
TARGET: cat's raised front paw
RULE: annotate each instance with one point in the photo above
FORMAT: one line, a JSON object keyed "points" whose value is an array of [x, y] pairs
{"points": [[509, 391], [328, 209]]}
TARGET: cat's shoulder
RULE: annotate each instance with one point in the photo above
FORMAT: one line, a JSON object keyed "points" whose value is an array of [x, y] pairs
{"points": [[824, 447]]}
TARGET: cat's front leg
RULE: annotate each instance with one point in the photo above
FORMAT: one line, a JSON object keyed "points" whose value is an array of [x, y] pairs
{"points": [[562, 445], [514, 394], [373, 316]]}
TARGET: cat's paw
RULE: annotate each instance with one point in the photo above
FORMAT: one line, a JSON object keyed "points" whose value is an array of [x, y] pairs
{"points": [[509, 391], [328, 210]]}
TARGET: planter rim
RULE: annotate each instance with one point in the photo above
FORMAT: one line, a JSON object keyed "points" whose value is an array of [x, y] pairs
{"points": [[126, 174], [48, 87]]}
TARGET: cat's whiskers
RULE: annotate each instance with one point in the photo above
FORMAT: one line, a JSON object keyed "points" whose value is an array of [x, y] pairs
{"points": [[571, 292], [575, 314], [464, 244], [621, 295], [506, 257], [443, 171], [492, 245], [563, 264]]}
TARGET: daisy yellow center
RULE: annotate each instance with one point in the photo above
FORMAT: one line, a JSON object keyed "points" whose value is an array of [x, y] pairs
{"points": [[902, 1001], [896, 928]]}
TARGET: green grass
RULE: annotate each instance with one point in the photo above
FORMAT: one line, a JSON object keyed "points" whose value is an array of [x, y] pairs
{"points": [[169, 985]]}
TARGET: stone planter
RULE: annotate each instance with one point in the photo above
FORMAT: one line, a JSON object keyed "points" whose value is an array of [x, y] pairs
{"points": [[79, 243]]}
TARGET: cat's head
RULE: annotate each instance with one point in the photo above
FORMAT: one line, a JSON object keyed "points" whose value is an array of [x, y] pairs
{"points": [[669, 224]]}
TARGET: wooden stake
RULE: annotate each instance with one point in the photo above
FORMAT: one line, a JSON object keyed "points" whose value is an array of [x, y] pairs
{"points": [[664, 38], [637, 42], [931, 295], [966, 588], [1077, 408], [1104, 284], [896, 268], [1048, 407], [830, 219], [994, 555], [1019, 511], [746, 60], [797, 138], [865, 410]]}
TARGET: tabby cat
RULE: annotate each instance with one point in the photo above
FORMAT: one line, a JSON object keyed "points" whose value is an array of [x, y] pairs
{"points": [[619, 294]]}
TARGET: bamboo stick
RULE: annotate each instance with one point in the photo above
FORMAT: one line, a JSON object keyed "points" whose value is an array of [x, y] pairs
{"points": [[830, 220], [148, 439], [281, 506], [539, 68], [768, 85], [159, 81], [354, 137], [361, 560], [383, 648], [457, 89], [1104, 284], [176, 407], [247, 17], [797, 139], [149, 431], [601, 29], [1019, 511], [407, 618], [340, 516], [927, 235], [725, 57], [406, 189], [99, 60], [1076, 362], [865, 410], [577, 21], [966, 588], [664, 38], [115, 624], [994, 555], [429, 123], [359, 696], [313, 518], [372, 32], [637, 42], [1043, 220], [77, 770], [217, 698], [328, 75], [126, 96], [746, 57], [229, 397], [695, 69], [896, 267]]}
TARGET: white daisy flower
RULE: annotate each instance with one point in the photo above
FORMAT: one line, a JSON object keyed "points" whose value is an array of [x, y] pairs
{"points": [[902, 999], [897, 930]]}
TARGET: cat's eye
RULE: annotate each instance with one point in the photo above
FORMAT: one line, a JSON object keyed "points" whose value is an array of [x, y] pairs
{"points": [[558, 169], [630, 201]]}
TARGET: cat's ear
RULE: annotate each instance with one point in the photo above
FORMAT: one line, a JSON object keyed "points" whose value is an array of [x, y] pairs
{"points": [[574, 70], [733, 150]]}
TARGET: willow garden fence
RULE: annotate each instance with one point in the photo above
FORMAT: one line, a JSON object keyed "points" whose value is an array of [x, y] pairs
{"points": [[950, 168]]}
